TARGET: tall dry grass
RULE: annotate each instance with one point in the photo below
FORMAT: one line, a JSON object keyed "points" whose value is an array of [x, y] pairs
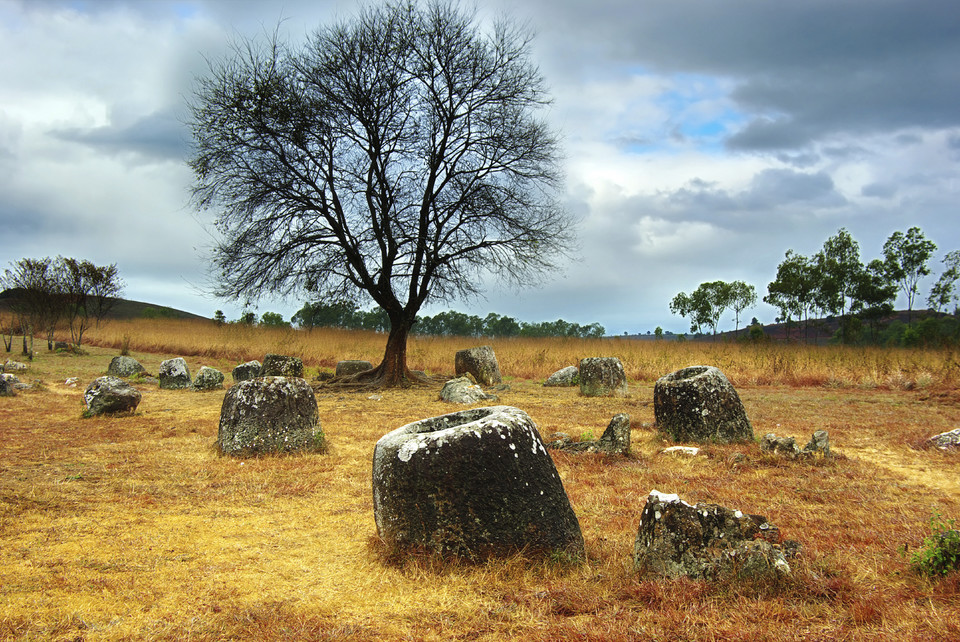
{"points": [[761, 364]]}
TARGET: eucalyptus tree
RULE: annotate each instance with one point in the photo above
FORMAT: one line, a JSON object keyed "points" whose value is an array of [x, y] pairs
{"points": [[793, 290], [943, 291], [704, 306], [840, 272], [905, 258], [741, 296], [399, 156], [875, 294]]}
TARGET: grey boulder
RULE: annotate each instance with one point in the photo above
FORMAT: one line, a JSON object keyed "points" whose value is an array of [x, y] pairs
{"points": [[174, 374], [463, 391], [245, 371], [124, 366], [109, 395], [949, 440], [565, 377]]}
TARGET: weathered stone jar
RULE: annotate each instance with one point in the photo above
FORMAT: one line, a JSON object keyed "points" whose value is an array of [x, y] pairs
{"points": [[270, 415], [278, 365], [123, 366], [602, 377], [174, 374], [481, 362], [476, 484], [675, 539], [246, 371], [700, 404], [352, 367]]}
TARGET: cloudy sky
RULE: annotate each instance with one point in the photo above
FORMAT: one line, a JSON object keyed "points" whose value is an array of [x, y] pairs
{"points": [[703, 139]]}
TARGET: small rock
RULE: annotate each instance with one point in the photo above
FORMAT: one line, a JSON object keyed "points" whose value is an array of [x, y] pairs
{"points": [[565, 377], [246, 371], [947, 440], [461, 391], [690, 451], [558, 440], [787, 446], [72, 382], [208, 379], [614, 441], [616, 438], [14, 366]]}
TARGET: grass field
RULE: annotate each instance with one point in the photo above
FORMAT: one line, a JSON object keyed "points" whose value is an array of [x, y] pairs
{"points": [[133, 528]]}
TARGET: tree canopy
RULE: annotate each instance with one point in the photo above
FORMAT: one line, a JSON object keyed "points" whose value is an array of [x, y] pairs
{"points": [[905, 258], [398, 156]]}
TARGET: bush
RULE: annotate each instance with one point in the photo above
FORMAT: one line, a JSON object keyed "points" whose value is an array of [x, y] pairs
{"points": [[940, 553]]}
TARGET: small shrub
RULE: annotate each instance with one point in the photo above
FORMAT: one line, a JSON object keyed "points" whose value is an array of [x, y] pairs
{"points": [[940, 553], [125, 346]]}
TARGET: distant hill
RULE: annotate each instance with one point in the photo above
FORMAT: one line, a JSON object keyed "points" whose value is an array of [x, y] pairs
{"points": [[123, 309]]}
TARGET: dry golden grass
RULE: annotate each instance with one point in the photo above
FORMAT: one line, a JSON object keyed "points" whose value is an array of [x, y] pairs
{"points": [[645, 361], [133, 528]]}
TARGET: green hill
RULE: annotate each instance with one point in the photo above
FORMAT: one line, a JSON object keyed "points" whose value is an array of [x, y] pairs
{"points": [[123, 309]]}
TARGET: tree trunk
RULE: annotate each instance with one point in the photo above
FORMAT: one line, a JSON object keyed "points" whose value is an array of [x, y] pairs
{"points": [[392, 371]]}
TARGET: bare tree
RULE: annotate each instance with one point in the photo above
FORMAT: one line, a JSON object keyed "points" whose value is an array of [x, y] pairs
{"points": [[36, 290], [89, 292], [47, 292], [399, 156]]}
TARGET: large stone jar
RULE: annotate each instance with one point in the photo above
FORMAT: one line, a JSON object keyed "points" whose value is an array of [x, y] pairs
{"points": [[476, 484], [602, 377], [270, 415], [481, 362], [699, 404]]}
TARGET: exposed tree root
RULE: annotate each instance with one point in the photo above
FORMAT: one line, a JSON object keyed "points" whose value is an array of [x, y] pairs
{"points": [[376, 379]]}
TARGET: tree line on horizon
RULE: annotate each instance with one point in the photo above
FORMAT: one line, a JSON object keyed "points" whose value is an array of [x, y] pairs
{"points": [[836, 284], [347, 315]]}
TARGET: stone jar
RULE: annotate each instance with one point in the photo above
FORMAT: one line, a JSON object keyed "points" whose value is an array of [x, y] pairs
{"points": [[476, 483]]}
